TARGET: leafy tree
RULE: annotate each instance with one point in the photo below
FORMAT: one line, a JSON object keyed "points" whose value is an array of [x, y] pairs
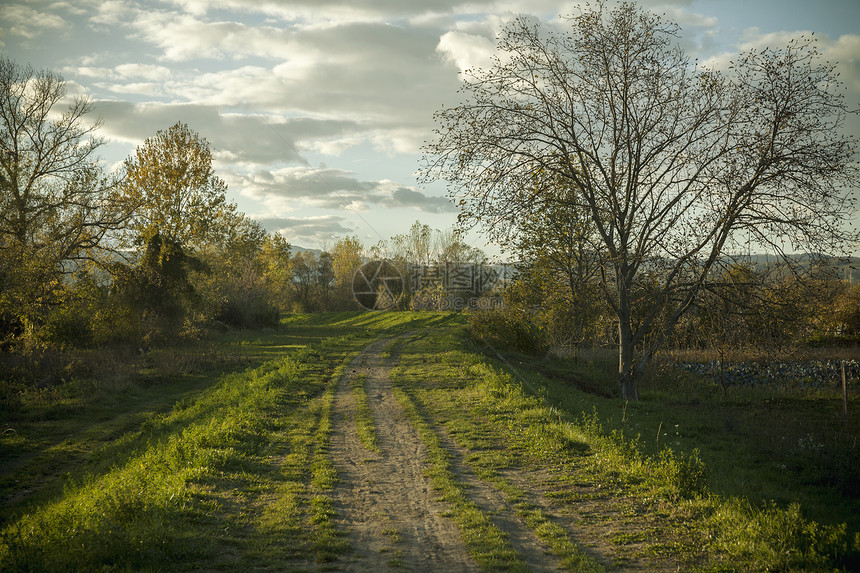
{"points": [[846, 312], [675, 166], [179, 205], [347, 255], [174, 191], [452, 249], [55, 200], [154, 295], [304, 278], [558, 271], [235, 284], [325, 279], [414, 247], [274, 257]]}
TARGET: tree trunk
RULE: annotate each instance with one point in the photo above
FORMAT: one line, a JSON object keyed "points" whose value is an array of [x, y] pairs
{"points": [[627, 374]]}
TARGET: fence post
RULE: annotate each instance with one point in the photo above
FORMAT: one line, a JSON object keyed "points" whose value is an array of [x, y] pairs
{"points": [[844, 392]]}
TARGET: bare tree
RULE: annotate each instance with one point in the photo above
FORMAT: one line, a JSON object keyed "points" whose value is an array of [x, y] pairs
{"points": [[676, 165], [55, 200]]}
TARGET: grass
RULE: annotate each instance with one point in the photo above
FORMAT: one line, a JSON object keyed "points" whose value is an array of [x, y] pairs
{"points": [[226, 471], [215, 456], [363, 419], [654, 460], [780, 443]]}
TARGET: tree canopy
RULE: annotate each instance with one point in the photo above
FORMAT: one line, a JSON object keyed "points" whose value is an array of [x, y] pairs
{"points": [[675, 166], [55, 199], [174, 190]]}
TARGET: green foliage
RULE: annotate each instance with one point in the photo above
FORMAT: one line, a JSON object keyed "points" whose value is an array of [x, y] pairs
{"points": [[155, 296], [170, 183], [239, 286], [509, 416], [509, 328], [683, 476], [771, 538], [241, 461], [844, 315], [55, 200], [69, 325]]}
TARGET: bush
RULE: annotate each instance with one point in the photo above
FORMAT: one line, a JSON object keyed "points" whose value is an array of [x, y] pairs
{"points": [[248, 312], [685, 476], [778, 539], [510, 329], [68, 326]]}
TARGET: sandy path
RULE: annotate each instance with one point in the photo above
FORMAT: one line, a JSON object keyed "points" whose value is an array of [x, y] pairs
{"points": [[392, 517], [394, 520]]}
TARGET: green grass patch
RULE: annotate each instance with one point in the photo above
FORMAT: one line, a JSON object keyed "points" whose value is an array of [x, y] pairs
{"points": [[365, 427], [650, 458], [215, 456], [226, 471]]}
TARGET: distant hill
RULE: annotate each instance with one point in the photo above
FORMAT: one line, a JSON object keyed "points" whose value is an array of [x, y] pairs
{"points": [[847, 268], [294, 249]]}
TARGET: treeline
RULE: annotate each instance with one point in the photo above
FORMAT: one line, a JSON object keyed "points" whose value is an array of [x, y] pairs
{"points": [[556, 302], [149, 253], [154, 252]]}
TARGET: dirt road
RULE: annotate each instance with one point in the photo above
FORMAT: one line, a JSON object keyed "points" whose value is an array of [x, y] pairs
{"points": [[389, 510], [393, 518]]}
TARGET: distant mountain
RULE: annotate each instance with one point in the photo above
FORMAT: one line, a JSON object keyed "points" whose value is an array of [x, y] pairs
{"points": [[847, 268], [294, 249]]}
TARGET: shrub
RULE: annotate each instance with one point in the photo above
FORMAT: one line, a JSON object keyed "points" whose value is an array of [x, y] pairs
{"points": [[508, 328], [776, 539], [684, 476], [68, 325]]}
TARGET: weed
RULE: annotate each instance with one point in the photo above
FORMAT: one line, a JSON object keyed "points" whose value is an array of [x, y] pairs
{"points": [[239, 461], [363, 418]]}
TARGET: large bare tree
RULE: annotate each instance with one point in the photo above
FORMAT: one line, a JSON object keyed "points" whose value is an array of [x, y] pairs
{"points": [[676, 165], [55, 200]]}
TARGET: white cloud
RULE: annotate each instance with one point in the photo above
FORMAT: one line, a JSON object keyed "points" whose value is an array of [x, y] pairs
{"points": [[313, 230], [145, 71], [111, 13], [846, 51], [122, 72], [467, 51], [240, 139], [23, 21], [350, 82], [284, 190], [184, 37]]}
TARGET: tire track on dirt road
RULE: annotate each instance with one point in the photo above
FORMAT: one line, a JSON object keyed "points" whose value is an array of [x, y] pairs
{"points": [[385, 502], [392, 517]]}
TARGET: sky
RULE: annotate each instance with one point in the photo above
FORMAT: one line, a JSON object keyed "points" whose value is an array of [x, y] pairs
{"points": [[316, 110]]}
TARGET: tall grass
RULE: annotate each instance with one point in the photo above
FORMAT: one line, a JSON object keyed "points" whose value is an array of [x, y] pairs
{"points": [[232, 465], [632, 452], [143, 511]]}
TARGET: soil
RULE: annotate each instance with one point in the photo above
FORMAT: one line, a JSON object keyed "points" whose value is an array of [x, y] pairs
{"points": [[388, 508], [394, 520]]}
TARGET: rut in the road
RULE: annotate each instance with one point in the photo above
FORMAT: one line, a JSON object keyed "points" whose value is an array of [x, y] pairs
{"points": [[390, 513], [394, 519]]}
